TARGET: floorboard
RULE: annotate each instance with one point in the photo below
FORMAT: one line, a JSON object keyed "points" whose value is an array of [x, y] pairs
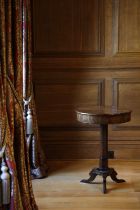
{"points": [[62, 189]]}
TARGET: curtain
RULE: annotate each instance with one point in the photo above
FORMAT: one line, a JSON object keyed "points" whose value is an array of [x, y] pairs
{"points": [[13, 136], [37, 159]]}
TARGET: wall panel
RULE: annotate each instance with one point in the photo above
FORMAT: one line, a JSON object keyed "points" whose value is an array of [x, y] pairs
{"points": [[126, 94], [63, 96], [126, 28], [86, 52], [68, 27]]}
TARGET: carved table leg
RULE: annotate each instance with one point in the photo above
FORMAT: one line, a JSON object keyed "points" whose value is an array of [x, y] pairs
{"points": [[104, 147], [104, 184], [103, 169], [113, 176], [92, 174]]}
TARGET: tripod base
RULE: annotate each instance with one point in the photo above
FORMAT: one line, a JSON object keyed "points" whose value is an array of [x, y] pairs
{"points": [[104, 173]]}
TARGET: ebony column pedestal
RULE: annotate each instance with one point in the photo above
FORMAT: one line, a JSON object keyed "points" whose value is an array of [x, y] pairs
{"points": [[103, 115]]}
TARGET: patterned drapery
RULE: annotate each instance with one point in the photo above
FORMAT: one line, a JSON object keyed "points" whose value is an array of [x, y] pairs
{"points": [[37, 160], [13, 132]]}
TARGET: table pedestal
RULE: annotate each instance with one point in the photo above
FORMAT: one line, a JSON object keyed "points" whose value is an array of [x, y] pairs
{"points": [[103, 169]]}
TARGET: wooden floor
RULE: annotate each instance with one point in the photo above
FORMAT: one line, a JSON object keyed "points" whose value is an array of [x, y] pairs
{"points": [[62, 189]]}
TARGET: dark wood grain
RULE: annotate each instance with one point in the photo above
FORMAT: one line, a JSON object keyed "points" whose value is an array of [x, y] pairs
{"points": [[103, 115], [86, 52]]}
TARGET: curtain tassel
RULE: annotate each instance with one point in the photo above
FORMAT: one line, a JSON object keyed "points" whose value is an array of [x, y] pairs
{"points": [[5, 181], [29, 123], [34, 153]]}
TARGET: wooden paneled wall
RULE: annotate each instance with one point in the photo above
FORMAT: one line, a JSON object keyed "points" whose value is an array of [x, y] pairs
{"points": [[86, 52]]}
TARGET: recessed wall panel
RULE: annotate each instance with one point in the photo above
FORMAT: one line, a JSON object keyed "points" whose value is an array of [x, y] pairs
{"points": [[71, 27], [126, 94], [126, 30], [57, 102]]}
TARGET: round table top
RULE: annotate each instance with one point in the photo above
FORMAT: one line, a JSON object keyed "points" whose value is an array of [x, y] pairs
{"points": [[103, 115]]}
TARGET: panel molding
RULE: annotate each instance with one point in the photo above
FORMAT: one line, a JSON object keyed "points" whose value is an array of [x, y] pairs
{"points": [[99, 82], [68, 107], [115, 99], [80, 53], [115, 33]]}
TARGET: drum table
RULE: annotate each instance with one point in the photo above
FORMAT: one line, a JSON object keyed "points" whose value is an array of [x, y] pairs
{"points": [[103, 116]]}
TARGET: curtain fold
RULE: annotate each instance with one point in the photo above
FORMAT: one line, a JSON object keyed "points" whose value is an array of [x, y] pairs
{"points": [[13, 130], [37, 159]]}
